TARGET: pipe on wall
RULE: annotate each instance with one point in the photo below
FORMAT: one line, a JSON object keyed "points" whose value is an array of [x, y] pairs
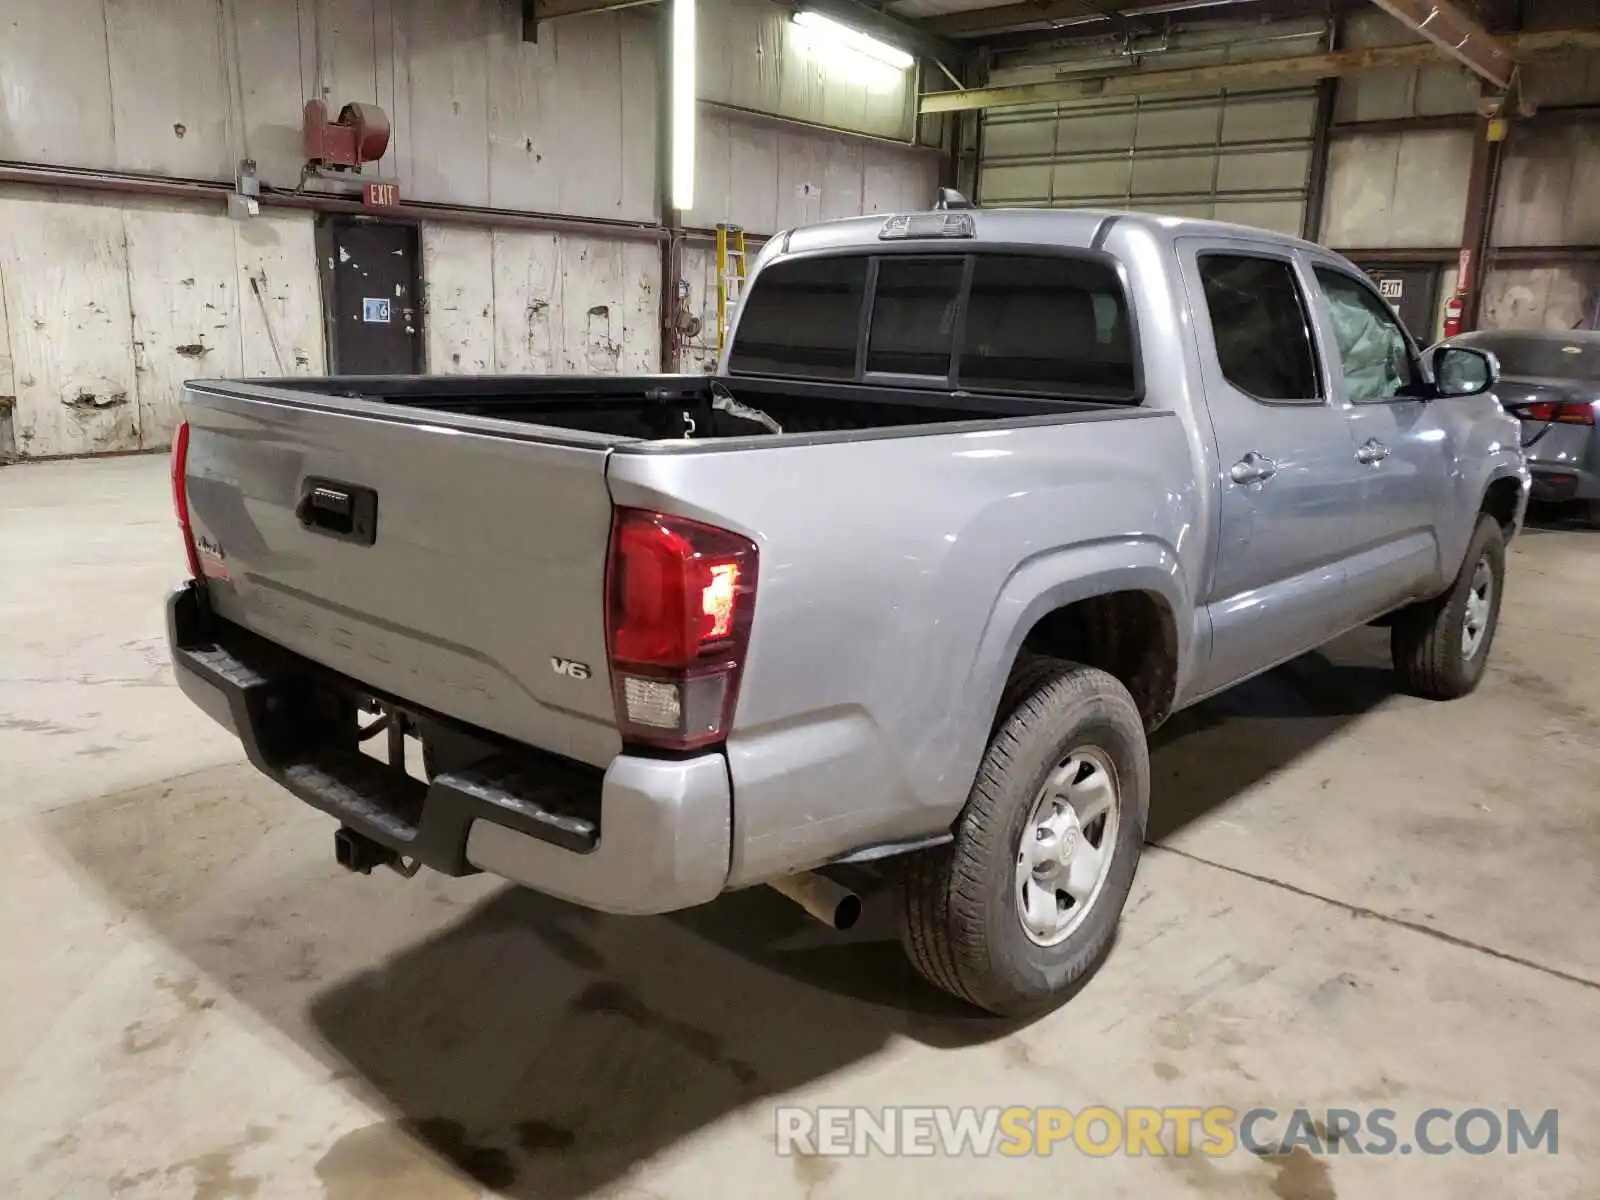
{"points": [[31, 175], [755, 116], [1502, 256]]}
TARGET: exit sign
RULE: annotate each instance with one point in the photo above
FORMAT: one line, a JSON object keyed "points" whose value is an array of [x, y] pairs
{"points": [[381, 195]]}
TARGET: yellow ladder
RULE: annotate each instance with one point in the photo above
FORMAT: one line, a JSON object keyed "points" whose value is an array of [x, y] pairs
{"points": [[730, 276]]}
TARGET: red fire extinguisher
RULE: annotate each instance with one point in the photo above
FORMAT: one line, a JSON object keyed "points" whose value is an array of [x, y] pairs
{"points": [[1453, 309]]}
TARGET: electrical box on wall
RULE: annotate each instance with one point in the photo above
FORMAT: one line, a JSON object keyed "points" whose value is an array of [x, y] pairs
{"points": [[359, 135]]}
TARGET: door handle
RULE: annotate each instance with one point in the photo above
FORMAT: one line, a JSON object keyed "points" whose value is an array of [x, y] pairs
{"points": [[1253, 468], [339, 510], [1371, 452]]}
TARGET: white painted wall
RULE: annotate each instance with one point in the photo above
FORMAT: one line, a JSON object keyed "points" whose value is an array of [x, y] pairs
{"points": [[108, 304], [112, 303], [510, 302], [565, 125], [8, 385], [480, 117], [102, 293], [767, 178], [753, 56]]}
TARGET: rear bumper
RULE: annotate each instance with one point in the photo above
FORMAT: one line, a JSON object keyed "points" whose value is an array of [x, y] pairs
{"points": [[1565, 462], [646, 836], [1554, 482]]}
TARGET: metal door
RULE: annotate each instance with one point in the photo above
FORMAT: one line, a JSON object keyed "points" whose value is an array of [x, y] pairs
{"points": [[1290, 485], [1413, 292], [371, 294]]}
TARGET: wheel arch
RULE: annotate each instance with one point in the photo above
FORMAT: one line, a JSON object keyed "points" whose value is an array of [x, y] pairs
{"points": [[1503, 500], [1123, 606]]}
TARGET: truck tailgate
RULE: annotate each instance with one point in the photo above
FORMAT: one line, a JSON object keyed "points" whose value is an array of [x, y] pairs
{"points": [[474, 586]]}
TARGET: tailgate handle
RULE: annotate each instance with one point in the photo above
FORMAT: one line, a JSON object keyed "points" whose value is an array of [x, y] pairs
{"points": [[339, 510]]}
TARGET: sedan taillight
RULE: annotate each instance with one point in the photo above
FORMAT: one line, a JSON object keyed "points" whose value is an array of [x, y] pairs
{"points": [[1563, 413]]}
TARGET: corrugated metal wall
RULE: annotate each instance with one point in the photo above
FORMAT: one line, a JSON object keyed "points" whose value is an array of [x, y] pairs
{"points": [[107, 305], [1407, 190], [1559, 297], [1402, 91], [1235, 156], [1548, 188], [1397, 189]]}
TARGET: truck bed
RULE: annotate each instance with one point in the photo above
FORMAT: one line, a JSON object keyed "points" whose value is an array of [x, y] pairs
{"points": [[465, 551], [670, 406]]}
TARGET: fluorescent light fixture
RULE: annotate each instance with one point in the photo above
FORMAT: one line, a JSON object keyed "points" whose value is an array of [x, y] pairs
{"points": [[683, 55], [860, 42]]}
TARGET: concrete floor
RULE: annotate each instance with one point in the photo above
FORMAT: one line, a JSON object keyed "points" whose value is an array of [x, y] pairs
{"points": [[1353, 898]]}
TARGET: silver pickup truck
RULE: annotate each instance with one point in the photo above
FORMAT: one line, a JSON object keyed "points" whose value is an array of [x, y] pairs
{"points": [[975, 501]]}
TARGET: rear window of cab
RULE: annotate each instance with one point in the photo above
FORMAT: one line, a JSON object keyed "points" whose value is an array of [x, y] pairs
{"points": [[1035, 324]]}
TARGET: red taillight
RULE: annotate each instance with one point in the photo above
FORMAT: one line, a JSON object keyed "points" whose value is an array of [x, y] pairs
{"points": [[679, 599], [1565, 414], [180, 496]]}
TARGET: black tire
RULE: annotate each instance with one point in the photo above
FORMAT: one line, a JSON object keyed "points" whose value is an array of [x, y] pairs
{"points": [[1426, 639], [960, 922]]}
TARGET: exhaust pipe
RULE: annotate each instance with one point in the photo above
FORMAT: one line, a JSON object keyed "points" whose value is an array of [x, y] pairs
{"points": [[835, 905]]}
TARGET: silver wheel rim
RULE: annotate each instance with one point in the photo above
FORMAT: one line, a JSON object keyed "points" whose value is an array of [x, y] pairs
{"points": [[1067, 846], [1480, 595]]}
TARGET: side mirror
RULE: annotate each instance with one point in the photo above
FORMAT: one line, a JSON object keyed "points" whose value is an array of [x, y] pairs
{"points": [[1464, 371]]}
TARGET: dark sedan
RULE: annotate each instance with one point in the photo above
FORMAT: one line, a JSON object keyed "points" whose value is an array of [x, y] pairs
{"points": [[1550, 380]]}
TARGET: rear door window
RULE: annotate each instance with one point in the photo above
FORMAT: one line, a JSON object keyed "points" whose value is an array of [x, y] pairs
{"points": [[1057, 326], [1261, 328], [802, 318]]}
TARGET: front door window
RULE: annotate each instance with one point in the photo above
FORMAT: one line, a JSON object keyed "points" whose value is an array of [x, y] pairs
{"points": [[1372, 345]]}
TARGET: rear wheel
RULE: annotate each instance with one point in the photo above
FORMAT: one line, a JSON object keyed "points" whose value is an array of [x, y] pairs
{"points": [[1441, 647], [1022, 905]]}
